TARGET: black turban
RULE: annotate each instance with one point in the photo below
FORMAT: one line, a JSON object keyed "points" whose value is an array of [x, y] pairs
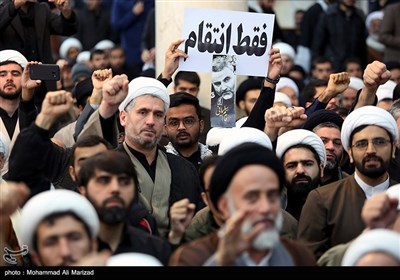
{"points": [[323, 116], [245, 86], [235, 159]]}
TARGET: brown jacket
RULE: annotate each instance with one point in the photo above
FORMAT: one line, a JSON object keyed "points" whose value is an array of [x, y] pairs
{"points": [[332, 215], [197, 252]]}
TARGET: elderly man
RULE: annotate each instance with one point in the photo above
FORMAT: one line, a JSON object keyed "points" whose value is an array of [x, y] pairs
{"points": [[304, 157], [245, 188], [332, 214], [164, 178], [17, 108], [59, 227]]}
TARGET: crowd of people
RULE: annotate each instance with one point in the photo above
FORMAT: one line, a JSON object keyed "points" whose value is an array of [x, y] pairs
{"points": [[116, 165]]}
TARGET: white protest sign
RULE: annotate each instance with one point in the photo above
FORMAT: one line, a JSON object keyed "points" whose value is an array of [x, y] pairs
{"points": [[209, 32]]}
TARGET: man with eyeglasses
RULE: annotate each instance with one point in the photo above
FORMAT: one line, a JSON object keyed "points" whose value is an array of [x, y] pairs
{"points": [[332, 213], [184, 124]]}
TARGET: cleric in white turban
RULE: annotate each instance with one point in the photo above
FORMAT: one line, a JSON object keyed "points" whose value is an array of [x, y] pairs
{"points": [[145, 86], [368, 115], [47, 203], [301, 136], [14, 56], [133, 259], [237, 136], [383, 241]]}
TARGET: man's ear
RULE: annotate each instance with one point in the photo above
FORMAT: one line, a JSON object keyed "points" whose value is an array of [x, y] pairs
{"points": [[82, 190], [241, 104], [350, 153], [222, 207], [71, 171], [122, 118]]}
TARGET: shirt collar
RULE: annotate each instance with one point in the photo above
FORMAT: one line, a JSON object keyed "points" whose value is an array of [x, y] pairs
{"points": [[371, 190]]}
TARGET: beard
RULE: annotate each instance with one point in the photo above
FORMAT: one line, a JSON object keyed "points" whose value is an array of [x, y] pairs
{"points": [[372, 172], [146, 144], [12, 95], [303, 188], [184, 143], [332, 164], [266, 239], [110, 215]]}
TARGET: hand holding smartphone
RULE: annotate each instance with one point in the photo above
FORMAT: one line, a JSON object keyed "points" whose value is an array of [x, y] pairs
{"points": [[44, 72]]}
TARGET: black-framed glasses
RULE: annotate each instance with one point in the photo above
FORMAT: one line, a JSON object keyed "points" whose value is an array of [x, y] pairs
{"points": [[187, 122], [377, 142]]}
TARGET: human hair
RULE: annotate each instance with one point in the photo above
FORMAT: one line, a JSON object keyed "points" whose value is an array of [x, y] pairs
{"points": [[88, 141], [320, 60], [395, 109], [191, 77], [10, 62], [111, 161], [310, 89], [96, 51], [304, 146], [50, 219], [208, 162], [180, 98], [325, 124]]}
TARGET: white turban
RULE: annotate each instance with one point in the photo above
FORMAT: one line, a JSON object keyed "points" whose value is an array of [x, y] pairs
{"points": [[287, 82], [394, 192], [104, 45], [283, 98], [215, 135], [301, 136], [373, 16], [241, 135], [356, 83], [368, 115], [376, 240], [13, 55], [285, 49], [83, 57], [385, 91], [133, 259], [67, 44], [3, 145], [55, 201], [146, 86], [240, 122]]}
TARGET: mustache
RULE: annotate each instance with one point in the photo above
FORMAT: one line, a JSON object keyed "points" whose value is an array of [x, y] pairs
{"points": [[182, 134], [301, 176], [372, 157], [112, 199]]}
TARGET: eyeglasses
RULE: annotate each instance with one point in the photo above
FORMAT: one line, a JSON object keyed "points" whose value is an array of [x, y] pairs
{"points": [[187, 122], [377, 142]]}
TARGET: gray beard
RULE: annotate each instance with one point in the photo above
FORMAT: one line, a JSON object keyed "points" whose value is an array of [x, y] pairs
{"points": [[268, 238]]}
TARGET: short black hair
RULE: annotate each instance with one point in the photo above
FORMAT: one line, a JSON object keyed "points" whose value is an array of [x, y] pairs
{"points": [[191, 77], [180, 98], [88, 141], [111, 161]]}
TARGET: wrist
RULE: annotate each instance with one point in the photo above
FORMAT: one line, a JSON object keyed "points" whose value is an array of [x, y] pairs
{"points": [[43, 121], [273, 81]]}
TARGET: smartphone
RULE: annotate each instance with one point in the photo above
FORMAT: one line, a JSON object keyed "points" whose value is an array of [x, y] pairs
{"points": [[44, 72]]}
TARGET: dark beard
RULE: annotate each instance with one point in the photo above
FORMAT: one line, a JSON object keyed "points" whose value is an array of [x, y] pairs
{"points": [[110, 215], [11, 96], [303, 189], [374, 172]]}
